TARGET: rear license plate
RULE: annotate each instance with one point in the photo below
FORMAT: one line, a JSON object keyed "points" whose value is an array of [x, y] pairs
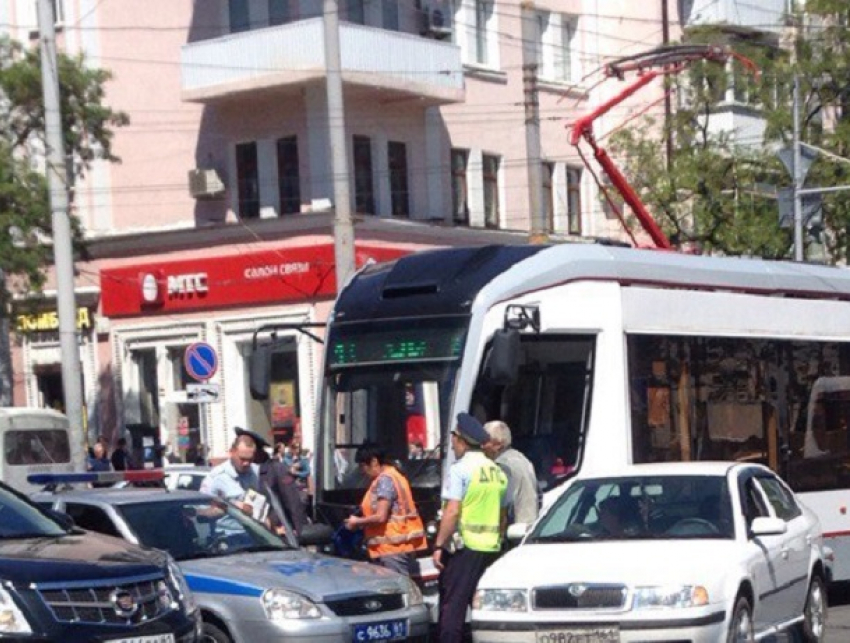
{"points": [[382, 631], [155, 638], [580, 635]]}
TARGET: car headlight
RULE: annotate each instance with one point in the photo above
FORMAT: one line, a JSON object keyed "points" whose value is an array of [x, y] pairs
{"points": [[281, 605], [414, 594], [673, 596], [178, 581], [12, 620], [500, 600]]}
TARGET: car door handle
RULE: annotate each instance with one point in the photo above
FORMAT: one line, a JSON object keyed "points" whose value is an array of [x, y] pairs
{"points": [[784, 552]]}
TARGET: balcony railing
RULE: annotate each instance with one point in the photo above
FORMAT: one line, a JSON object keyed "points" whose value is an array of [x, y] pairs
{"points": [[758, 15], [293, 54]]}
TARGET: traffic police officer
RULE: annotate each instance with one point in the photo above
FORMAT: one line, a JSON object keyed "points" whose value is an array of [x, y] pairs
{"points": [[232, 478], [473, 521]]}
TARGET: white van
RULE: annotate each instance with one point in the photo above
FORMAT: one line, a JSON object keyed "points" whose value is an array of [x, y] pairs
{"points": [[34, 441]]}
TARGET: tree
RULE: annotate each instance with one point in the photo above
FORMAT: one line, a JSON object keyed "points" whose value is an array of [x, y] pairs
{"points": [[87, 126], [716, 194]]}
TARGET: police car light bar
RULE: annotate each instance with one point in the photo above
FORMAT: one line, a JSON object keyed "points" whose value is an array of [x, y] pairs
{"points": [[142, 475]]}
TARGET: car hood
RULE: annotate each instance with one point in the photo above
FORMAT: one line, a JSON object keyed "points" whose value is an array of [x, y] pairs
{"points": [[316, 576], [635, 562], [74, 557]]}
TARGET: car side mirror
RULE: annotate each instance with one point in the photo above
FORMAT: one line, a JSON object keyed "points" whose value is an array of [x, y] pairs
{"points": [[503, 360], [315, 535], [65, 521], [764, 526], [517, 532]]}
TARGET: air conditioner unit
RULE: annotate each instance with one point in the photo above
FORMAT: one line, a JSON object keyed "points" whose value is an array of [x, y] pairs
{"points": [[438, 20], [205, 184]]}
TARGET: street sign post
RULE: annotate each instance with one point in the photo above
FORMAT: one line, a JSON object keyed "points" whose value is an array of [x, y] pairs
{"points": [[201, 361]]}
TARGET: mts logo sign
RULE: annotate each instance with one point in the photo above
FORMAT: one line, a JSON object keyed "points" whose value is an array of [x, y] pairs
{"points": [[193, 283]]}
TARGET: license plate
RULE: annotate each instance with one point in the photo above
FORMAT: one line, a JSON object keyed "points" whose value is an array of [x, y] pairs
{"points": [[580, 635], [155, 638], [382, 631]]}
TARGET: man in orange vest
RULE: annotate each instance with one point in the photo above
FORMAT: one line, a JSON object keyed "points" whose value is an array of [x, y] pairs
{"points": [[392, 528]]}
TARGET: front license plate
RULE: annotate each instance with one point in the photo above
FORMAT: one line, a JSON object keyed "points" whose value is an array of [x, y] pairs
{"points": [[383, 631], [580, 635], [156, 638]]}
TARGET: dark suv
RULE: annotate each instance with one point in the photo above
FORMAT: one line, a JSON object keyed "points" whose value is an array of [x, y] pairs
{"points": [[60, 583]]}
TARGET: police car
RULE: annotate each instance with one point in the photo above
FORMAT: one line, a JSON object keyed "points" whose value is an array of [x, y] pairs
{"points": [[249, 584], [59, 583]]}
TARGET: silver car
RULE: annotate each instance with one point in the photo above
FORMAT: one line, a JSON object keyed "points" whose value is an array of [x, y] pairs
{"points": [[248, 583]]}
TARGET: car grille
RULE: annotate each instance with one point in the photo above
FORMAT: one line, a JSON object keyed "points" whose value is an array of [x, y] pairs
{"points": [[93, 603], [365, 605], [579, 596]]}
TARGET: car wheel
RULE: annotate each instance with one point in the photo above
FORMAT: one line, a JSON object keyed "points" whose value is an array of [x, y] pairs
{"points": [[814, 614], [741, 625], [213, 634]]}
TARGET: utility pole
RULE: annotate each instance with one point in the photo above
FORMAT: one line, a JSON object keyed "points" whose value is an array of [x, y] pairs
{"points": [[343, 225], [63, 257], [799, 254], [539, 225], [668, 108]]}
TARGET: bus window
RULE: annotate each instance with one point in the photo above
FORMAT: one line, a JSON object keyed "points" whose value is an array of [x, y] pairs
{"points": [[41, 446]]}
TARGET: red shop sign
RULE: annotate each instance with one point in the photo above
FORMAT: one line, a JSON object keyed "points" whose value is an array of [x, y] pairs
{"points": [[288, 274]]}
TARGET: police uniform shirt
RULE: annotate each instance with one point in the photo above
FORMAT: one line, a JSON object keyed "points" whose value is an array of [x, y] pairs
{"points": [[223, 481], [459, 478]]}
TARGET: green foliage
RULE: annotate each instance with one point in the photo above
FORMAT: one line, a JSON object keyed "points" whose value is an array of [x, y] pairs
{"points": [[87, 126], [717, 193]]}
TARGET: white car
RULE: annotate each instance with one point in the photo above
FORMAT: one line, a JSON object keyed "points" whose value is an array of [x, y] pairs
{"points": [[699, 551]]}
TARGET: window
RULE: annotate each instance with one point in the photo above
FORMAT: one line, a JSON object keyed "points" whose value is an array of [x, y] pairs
{"points": [[364, 193], [490, 168], [356, 11], [240, 19], [483, 16], [389, 9], [247, 181], [783, 503], [188, 429], [548, 193], [279, 12], [92, 518], [556, 34], [399, 191], [460, 194], [288, 177], [781, 403], [574, 200]]}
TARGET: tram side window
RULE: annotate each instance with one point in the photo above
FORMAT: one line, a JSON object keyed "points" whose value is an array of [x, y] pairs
{"points": [[545, 406], [782, 403]]}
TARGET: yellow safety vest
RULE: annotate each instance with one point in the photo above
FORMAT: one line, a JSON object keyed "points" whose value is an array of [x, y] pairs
{"points": [[481, 507]]}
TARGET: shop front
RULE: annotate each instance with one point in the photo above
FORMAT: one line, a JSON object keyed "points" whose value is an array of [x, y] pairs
{"points": [[159, 309]]}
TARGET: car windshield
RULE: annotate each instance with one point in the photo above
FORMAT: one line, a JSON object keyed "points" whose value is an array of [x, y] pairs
{"points": [[639, 508], [20, 519], [197, 528]]}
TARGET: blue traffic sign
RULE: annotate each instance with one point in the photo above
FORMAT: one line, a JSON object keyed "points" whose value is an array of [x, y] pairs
{"points": [[201, 361]]}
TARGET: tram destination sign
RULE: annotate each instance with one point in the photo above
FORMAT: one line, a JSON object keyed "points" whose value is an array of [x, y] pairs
{"points": [[408, 340]]}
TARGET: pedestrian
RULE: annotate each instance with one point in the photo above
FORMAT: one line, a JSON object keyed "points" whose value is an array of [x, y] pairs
{"points": [[98, 462], [234, 477], [392, 528], [299, 468], [120, 458], [472, 524], [522, 481]]}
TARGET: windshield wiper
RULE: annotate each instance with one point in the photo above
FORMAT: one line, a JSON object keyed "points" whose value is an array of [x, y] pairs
{"points": [[32, 534], [256, 548], [200, 554], [562, 538]]}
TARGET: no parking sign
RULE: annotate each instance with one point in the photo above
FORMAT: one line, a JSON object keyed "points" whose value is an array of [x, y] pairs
{"points": [[201, 361]]}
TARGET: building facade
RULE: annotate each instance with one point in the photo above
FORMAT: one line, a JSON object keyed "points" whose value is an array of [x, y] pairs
{"points": [[219, 208]]}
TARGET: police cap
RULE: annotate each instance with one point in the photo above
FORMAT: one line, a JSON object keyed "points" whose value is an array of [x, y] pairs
{"points": [[471, 430]]}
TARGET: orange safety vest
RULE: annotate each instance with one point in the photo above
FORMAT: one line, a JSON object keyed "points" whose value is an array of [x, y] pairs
{"points": [[403, 532]]}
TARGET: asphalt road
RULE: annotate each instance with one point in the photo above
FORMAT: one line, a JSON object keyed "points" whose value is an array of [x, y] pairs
{"points": [[838, 618]]}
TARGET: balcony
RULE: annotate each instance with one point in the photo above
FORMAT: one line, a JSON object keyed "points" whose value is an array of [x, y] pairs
{"points": [[752, 15], [291, 56]]}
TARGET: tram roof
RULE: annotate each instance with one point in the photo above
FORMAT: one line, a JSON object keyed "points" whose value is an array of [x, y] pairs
{"points": [[447, 281]]}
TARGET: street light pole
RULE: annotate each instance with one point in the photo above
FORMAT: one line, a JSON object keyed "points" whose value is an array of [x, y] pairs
{"points": [[798, 177], [63, 256], [343, 225]]}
